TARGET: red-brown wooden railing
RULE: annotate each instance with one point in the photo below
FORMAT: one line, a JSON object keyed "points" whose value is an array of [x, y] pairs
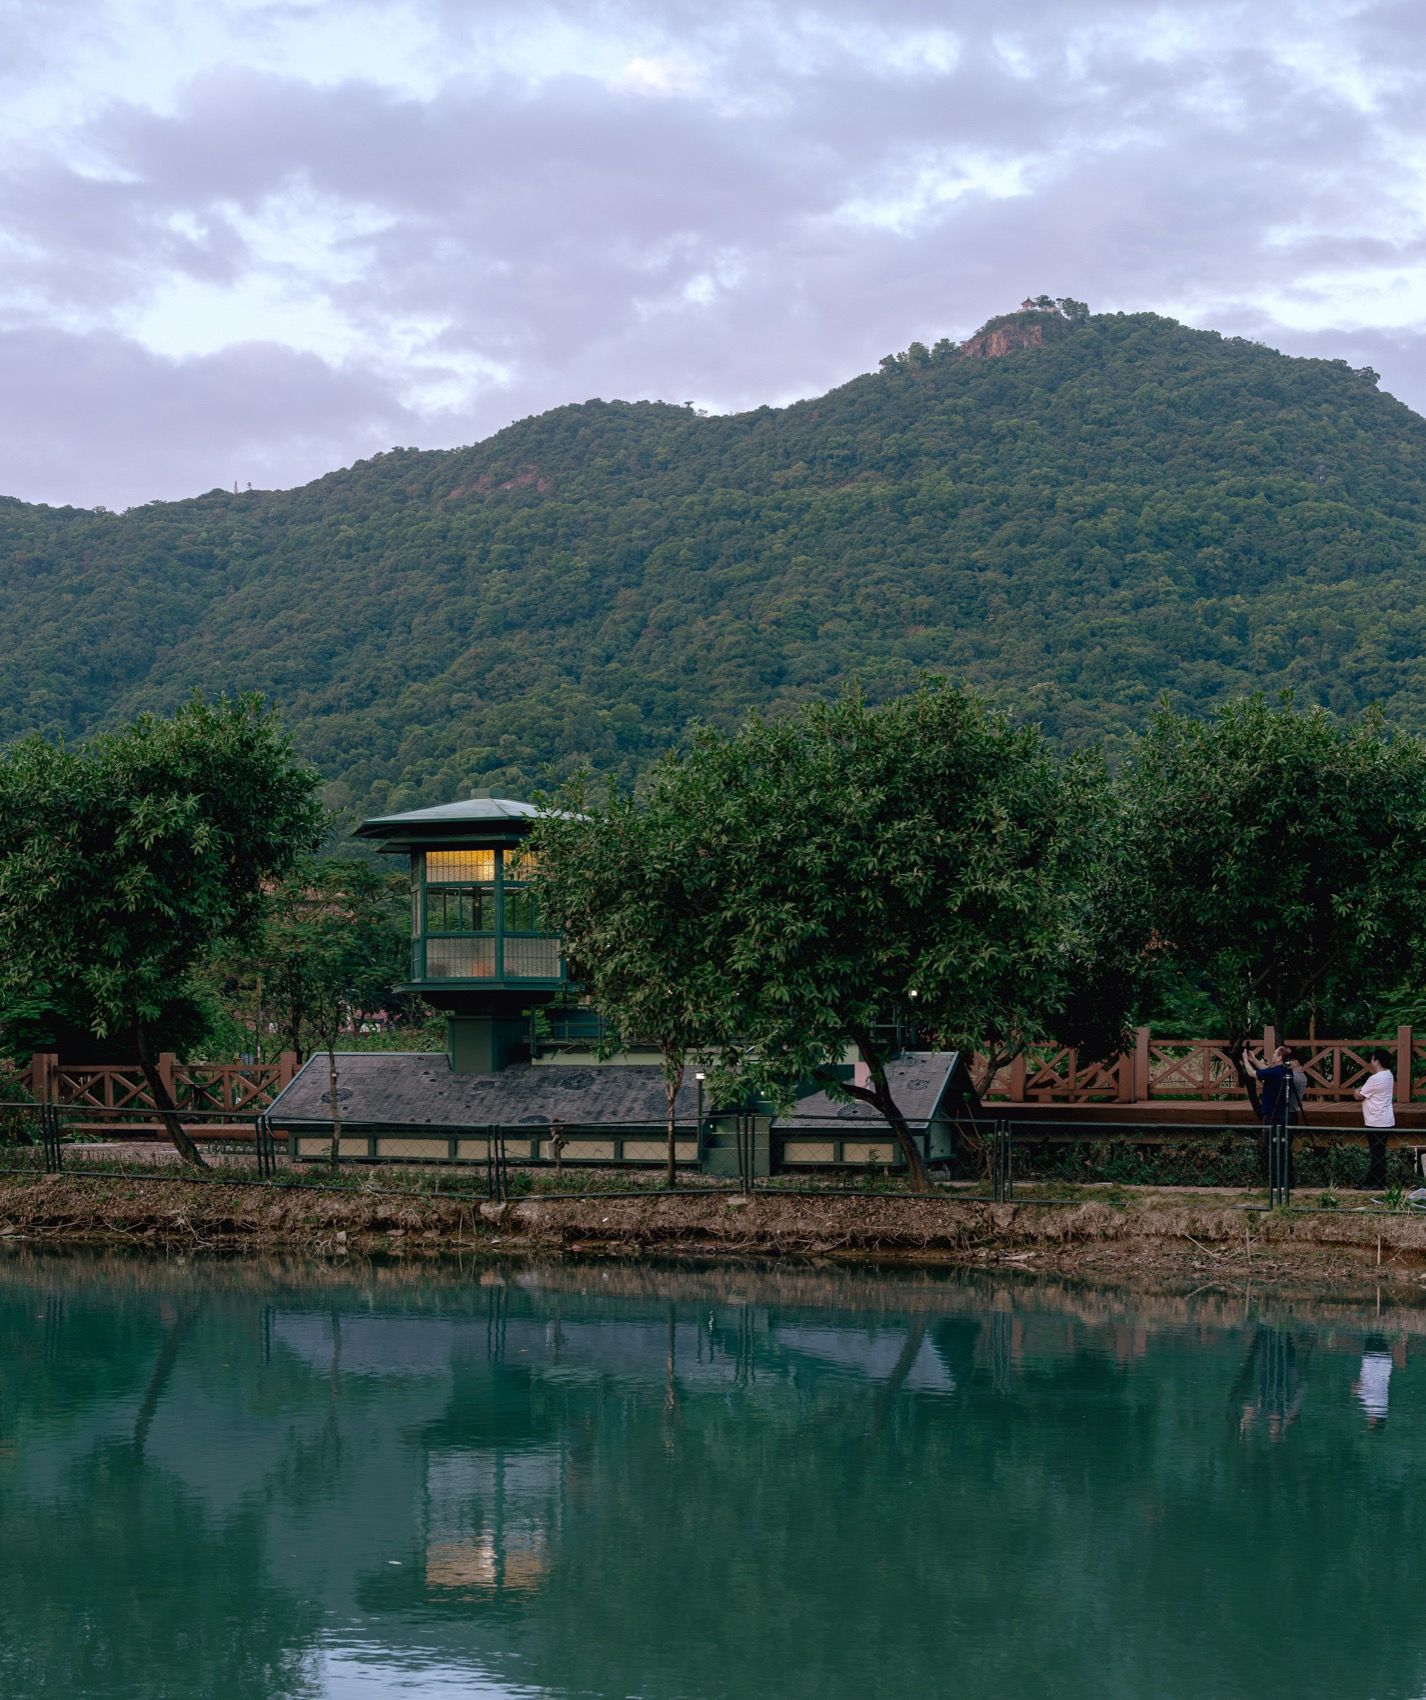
{"points": [[1197, 1070], [1156, 1070], [243, 1089]]}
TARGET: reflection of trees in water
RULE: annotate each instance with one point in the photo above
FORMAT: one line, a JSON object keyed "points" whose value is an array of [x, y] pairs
{"points": [[118, 1583], [162, 1369], [143, 1596], [619, 1494], [1043, 1520]]}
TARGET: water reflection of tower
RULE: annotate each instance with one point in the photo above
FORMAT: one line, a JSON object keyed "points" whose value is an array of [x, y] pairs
{"points": [[492, 1520], [495, 1474]]}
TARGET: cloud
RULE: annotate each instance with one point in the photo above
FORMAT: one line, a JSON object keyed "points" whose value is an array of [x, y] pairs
{"points": [[97, 412], [432, 218]]}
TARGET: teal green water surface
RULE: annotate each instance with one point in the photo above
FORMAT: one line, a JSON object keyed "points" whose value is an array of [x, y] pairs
{"points": [[263, 1479]]}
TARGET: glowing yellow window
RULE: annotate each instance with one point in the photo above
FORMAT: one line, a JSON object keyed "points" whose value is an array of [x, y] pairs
{"points": [[459, 867]]}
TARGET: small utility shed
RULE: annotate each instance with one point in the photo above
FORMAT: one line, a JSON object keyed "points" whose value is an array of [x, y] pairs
{"points": [[932, 1089]]}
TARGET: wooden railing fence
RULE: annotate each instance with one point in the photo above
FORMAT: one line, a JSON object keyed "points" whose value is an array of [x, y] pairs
{"points": [[1198, 1070], [237, 1088], [1156, 1070]]}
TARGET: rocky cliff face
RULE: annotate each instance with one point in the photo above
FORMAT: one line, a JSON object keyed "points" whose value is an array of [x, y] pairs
{"points": [[1019, 330]]}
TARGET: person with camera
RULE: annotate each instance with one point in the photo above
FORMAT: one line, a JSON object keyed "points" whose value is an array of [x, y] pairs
{"points": [[1284, 1074], [1282, 1084]]}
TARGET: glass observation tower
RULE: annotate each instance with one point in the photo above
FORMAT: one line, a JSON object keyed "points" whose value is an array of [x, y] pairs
{"points": [[477, 950]]}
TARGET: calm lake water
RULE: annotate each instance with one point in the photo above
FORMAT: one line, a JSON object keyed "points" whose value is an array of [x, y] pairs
{"points": [[267, 1479]]}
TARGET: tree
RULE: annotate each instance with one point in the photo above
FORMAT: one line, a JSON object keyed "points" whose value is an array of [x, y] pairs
{"points": [[923, 856], [333, 933], [1272, 856], [123, 862], [822, 875], [333, 940], [625, 887]]}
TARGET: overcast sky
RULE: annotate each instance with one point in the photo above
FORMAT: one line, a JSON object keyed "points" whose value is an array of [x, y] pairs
{"points": [[257, 239]]}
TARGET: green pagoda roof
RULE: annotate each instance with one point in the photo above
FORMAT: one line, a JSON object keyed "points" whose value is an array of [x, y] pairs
{"points": [[480, 818]]}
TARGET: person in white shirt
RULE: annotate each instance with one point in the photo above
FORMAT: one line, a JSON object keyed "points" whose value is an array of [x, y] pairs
{"points": [[1378, 1093]]}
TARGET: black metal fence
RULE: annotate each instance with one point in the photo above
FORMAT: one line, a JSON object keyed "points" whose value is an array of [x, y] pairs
{"points": [[1191, 1155], [1008, 1160]]}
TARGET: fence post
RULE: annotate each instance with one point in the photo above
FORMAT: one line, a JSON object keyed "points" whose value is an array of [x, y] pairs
{"points": [[266, 1149], [286, 1068], [1017, 1078], [1269, 1042], [1002, 1172], [51, 1134], [497, 1176], [1404, 1063], [44, 1066], [1141, 1065], [166, 1060], [1126, 1078], [1280, 1156]]}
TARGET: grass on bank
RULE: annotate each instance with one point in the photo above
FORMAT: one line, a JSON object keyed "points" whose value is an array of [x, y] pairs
{"points": [[21, 1165]]}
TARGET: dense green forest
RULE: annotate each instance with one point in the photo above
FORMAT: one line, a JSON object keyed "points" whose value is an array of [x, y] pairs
{"points": [[1131, 508]]}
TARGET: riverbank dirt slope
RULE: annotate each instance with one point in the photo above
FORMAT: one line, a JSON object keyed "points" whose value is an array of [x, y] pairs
{"points": [[1152, 1230]]}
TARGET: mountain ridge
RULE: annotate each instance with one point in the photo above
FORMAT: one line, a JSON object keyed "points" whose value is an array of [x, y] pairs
{"points": [[1129, 507]]}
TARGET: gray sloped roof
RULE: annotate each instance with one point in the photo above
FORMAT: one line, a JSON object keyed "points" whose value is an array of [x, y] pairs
{"points": [[472, 809], [918, 1083], [419, 1088]]}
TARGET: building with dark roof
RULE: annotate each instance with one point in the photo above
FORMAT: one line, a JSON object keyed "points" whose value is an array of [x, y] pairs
{"points": [[479, 953]]}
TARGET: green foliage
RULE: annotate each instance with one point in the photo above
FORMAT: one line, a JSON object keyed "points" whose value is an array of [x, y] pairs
{"points": [[1270, 857], [626, 885], [123, 862], [803, 881], [620, 883], [924, 857], [333, 940], [1133, 507], [1232, 1158]]}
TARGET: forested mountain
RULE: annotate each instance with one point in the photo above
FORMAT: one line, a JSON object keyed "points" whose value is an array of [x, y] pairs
{"points": [[1129, 507]]}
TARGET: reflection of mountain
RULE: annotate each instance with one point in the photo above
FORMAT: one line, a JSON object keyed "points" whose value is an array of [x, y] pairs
{"points": [[646, 1485]]}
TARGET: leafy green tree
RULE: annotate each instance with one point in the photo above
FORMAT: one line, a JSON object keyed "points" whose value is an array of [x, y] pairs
{"points": [[626, 886], [332, 933], [332, 941], [1271, 856], [124, 862], [823, 874]]}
